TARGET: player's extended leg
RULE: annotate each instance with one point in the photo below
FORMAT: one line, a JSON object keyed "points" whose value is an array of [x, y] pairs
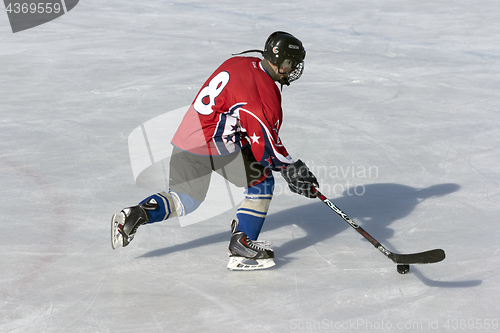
{"points": [[246, 229], [155, 208], [188, 174]]}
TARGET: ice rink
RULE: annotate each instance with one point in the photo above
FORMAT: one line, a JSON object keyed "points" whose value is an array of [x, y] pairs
{"points": [[398, 114]]}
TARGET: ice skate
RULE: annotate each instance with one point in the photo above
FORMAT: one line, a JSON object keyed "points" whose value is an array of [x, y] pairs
{"points": [[124, 225], [248, 255]]}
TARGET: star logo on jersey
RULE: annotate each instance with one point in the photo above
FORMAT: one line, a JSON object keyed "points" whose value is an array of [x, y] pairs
{"points": [[230, 138], [269, 160], [255, 138]]}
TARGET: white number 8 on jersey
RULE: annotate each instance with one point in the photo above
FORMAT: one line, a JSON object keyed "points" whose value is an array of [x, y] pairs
{"points": [[206, 99]]}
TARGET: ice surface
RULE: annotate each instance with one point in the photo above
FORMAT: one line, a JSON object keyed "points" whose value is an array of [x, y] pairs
{"points": [[397, 113]]}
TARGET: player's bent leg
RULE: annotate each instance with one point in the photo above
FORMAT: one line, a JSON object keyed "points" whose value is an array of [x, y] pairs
{"points": [[246, 229]]}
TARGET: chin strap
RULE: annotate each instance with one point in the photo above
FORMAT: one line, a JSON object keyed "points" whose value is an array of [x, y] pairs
{"points": [[284, 82]]}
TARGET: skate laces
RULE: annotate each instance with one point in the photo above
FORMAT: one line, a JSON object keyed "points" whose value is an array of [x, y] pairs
{"points": [[257, 245], [263, 243]]}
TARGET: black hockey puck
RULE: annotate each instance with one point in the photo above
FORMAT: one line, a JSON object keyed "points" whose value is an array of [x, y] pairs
{"points": [[403, 269]]}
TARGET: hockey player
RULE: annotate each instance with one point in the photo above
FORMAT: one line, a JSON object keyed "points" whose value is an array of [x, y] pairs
{"points": [[232, 128]]}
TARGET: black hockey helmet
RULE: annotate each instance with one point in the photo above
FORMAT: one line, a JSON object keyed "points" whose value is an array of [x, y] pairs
{"points": [[287, 53]]}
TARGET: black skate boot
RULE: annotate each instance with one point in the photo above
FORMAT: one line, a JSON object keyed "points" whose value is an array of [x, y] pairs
{"points": [[242, 250], [124, 224]]}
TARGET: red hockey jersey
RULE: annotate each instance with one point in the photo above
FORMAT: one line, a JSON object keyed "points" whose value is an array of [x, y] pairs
{"points": [[238, 105]]}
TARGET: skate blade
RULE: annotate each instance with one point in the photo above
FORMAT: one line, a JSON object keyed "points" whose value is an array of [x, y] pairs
{"points": [[242, 264], [116, 236]]}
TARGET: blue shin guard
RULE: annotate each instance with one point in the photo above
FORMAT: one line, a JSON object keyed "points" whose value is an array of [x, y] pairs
{"points": [[164, 205], [253, 210]]}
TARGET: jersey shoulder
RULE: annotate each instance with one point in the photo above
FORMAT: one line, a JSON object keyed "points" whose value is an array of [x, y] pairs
{"points": [[248, 78]]}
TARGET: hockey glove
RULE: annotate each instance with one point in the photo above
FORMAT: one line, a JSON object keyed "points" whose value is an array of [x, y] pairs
{"points": [[300, 179]]}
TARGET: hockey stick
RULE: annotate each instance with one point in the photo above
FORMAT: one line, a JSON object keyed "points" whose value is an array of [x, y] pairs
{"points": [[426, 257]]}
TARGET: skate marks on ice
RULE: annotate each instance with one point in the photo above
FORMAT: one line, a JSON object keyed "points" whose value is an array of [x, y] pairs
{"points": [[192, 244], [444, 284]]}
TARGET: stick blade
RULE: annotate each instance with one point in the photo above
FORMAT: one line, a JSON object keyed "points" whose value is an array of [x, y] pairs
{"points": [[427, 257]]}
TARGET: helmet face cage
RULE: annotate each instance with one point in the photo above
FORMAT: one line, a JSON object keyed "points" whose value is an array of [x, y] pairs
{"points": [[296, 73]]}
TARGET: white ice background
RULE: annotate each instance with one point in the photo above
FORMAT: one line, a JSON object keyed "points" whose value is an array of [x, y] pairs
{"points": [[399, 101]]}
